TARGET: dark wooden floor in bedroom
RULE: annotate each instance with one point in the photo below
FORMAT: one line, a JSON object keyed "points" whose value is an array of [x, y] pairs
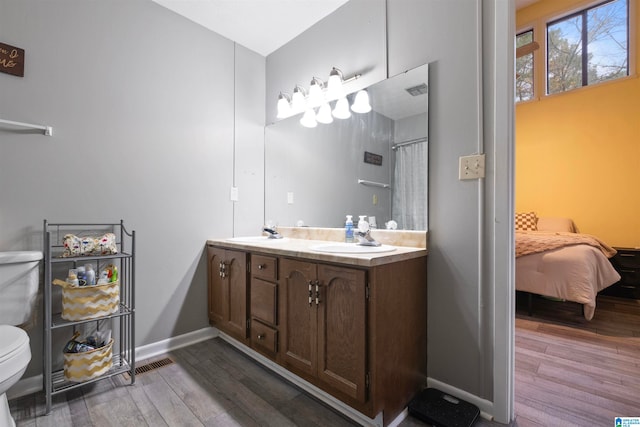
{"points": [[569, 371]]}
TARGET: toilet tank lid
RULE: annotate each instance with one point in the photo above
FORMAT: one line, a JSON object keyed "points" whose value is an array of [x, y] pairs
{"points": [[13, 257]]}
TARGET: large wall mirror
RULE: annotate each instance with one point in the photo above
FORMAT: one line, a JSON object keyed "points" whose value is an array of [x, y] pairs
{"points": [[372, 164]]}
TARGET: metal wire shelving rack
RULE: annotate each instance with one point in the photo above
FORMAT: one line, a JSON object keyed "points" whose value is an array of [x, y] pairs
{"points": [[122, 322]]}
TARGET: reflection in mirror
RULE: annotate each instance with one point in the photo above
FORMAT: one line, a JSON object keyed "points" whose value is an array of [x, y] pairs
{"points": [[372, 164]]}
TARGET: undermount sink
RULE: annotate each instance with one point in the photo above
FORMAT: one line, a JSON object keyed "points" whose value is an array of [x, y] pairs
{"points": [[350, 248], [254, 239]]}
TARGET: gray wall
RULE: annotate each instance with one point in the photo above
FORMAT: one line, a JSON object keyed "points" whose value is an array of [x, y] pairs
{"points": [[445, 34], [142, 105]]}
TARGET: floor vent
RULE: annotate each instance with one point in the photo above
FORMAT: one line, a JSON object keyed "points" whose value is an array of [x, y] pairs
{"points": [[151, 366]]}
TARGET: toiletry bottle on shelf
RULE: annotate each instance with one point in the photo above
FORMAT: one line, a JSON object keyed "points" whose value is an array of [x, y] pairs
{"points": [[91, 274], [348, 230], [82, 276]]}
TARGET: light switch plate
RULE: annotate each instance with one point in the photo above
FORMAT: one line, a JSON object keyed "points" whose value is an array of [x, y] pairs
{"points": [[471, 167], [290, 197]]}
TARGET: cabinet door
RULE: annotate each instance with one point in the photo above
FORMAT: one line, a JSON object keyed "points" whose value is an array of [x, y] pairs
{"points": [[216, 286], [237, 296], [298, 317], [342, 330]]}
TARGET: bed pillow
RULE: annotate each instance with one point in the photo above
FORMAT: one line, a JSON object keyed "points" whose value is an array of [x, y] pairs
{"points": [[556, 224], [526, 221]]}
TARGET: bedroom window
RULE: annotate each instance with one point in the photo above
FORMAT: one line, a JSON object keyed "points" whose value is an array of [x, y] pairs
{"points": [[524, 68], [587, 47]]}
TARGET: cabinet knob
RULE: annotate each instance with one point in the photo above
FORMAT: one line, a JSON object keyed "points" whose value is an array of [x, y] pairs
{"points": [[261, 336], [261, 266]]}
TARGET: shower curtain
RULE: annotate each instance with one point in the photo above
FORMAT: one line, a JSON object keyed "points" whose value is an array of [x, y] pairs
{"points": [[409, 202]]}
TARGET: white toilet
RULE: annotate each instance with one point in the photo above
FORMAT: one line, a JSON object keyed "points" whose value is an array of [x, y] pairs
{"points": [[19, 280]]}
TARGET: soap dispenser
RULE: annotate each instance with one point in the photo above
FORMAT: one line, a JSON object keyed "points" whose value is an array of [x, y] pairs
{"points": [[348, 229], [363, 225]]}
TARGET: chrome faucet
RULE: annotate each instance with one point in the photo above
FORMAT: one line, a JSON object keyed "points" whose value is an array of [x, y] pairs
{"points": [[273, 233], [365, 239]]}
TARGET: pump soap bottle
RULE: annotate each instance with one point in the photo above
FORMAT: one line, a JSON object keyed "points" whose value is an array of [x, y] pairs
{"points": [[348, 230]]}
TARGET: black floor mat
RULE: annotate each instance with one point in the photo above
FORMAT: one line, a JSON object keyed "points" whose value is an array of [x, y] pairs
{"points": [[442, 410]]}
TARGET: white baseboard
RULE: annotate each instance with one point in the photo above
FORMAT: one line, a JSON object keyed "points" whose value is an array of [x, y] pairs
{"points": [[34, 384], [400, 418], [26, 386], [485, 406], [174, 343]]}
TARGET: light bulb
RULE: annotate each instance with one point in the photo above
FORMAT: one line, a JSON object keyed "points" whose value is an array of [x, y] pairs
{"points": [[324, 114], [308, 120], [341, 110], [361, 102]]}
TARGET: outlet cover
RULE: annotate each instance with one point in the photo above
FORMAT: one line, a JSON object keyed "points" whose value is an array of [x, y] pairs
{"points": [[471, 167]]}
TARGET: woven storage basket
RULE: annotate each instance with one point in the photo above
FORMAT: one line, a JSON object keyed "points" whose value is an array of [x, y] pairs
{"points": [[88, 302], [90, 364]]}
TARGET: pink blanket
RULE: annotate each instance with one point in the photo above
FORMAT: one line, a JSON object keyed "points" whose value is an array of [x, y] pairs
{"points": [[569, 270], [531, 242]]}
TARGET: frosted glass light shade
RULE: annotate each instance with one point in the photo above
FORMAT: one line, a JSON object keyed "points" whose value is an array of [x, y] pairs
{"points": [[334, 85], [341, 110], [324, 114], [308, 120], [284, 108], [361, 102], [298, 103], [316, 96]]}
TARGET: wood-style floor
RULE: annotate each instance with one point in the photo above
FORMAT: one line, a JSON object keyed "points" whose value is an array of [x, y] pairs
{"points": [[569, 371]]}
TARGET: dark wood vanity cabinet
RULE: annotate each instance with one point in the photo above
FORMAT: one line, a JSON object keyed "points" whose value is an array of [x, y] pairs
{"points": [[228, 296], [323, 333], [358, 332]]}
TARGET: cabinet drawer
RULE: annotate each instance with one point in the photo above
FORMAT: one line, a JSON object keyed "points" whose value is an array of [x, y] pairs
{"points": [[264, 337], [265, 267], [627, 259], [630, 277], [264, 297]]}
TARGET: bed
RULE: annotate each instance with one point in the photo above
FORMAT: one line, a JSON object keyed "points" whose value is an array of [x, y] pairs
{"points": [[553, 259]]}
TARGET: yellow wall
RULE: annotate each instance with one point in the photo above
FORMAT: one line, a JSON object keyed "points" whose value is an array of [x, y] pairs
{"points": [[578, 153]]}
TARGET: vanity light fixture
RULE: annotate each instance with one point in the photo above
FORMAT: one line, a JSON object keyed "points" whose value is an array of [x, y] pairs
{"points": [[318, 97], [284, 106], [361, 102]]}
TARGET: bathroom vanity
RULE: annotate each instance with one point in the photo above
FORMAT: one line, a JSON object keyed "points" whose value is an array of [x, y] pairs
{"points": [[353, 325]]}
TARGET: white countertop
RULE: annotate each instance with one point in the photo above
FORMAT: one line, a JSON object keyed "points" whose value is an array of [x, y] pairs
{"points": [[302, 248]]}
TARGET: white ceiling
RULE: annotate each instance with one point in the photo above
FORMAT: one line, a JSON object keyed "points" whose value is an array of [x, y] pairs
{"points": [[260, 25]]}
